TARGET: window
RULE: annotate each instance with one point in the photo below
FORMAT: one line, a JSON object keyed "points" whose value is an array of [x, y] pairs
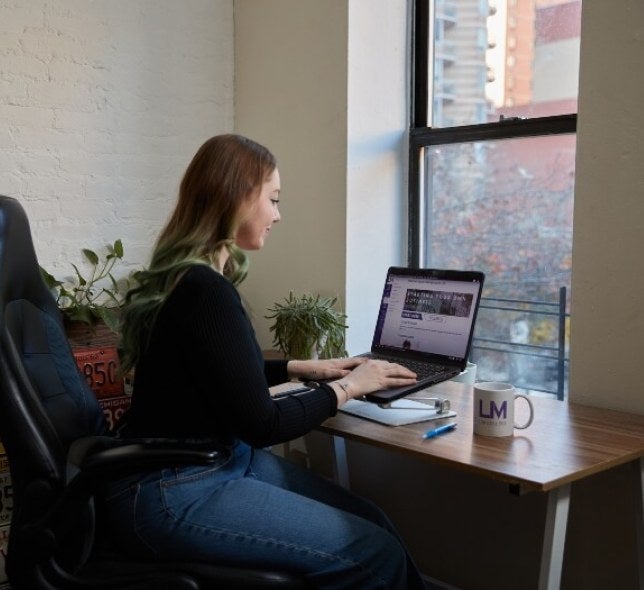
{"points": [[492, 156]]}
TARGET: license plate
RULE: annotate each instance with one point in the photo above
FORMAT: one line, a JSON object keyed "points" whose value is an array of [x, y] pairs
{"points": [[6, 497], [99, 366], [4, 540], [114, 408]]}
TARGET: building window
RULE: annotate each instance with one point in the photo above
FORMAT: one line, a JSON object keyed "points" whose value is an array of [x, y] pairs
{"points": [[492, 173]]}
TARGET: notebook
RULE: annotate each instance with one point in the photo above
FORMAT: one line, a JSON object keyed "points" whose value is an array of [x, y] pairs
{"points": [[425, 322], [401, 412]]}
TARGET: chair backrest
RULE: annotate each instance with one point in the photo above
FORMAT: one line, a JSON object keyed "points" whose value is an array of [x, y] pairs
{"points": [[45, 404]]}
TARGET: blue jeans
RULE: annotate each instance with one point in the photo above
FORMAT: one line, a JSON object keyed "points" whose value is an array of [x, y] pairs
{"points": [[259, 509]]}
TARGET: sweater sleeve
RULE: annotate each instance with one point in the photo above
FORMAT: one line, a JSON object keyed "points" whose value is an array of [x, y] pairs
{"points": [[275, 371], [228, 371]]}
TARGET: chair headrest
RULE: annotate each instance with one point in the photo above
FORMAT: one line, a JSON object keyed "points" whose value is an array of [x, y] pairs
{"points": [[18, 260]]}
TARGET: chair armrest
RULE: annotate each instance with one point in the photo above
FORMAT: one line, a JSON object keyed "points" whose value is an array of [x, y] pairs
{"points": [[109, 458], [94, 461]]}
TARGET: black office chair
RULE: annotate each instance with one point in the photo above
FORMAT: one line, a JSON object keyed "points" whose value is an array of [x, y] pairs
{"points": [[60, 451]]}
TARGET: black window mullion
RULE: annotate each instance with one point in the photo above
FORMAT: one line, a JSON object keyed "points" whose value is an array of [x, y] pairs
{"points": [[414, 220], [419, 120], [420, 61], [504, 129]]}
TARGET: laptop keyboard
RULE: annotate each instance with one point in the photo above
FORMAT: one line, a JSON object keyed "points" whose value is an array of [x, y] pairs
{"points": [[423, 369]]}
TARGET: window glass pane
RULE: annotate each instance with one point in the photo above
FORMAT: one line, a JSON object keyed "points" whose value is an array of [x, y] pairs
{"points": [[506, 207], [512, 58]]}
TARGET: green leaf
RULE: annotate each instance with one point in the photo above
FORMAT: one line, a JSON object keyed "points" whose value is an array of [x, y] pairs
{"points": [[110, 316], [91, 256], [49, 279], [82, 314], [112, 297], [115, 286], [118, 249], [81, 280]]}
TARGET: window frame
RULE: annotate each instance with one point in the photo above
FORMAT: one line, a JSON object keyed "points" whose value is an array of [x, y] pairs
{"points": [[421, 135]]}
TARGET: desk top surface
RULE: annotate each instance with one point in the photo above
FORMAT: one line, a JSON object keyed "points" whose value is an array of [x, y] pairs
{"points": [[566, 442]]}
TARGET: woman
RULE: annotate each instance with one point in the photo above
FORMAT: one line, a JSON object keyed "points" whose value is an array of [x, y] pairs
{"points": [[200, 373]]}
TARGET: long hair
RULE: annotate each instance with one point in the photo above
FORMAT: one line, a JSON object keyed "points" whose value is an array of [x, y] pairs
{"points": [[226, 172]]}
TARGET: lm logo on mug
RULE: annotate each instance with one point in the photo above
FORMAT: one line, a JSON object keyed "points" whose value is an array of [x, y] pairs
{"points": [[494, 410]]}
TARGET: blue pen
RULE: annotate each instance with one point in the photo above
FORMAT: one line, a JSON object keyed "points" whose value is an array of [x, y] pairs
{"points": [[440, 430]]}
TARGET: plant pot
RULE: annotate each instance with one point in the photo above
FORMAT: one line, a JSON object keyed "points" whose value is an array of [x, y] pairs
{"points": [[82, 335]]}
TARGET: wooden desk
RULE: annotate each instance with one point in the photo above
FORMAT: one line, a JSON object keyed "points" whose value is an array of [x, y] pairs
{"points": [[566, 442]]}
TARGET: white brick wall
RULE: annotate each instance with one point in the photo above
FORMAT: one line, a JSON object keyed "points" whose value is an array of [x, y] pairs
{"points": [[102, 105]]}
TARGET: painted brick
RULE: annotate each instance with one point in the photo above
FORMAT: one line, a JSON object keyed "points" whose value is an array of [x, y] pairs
{"points": [[103, 104]]}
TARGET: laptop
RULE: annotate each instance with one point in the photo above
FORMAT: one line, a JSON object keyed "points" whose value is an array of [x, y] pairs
{"points": [[426, 322]]}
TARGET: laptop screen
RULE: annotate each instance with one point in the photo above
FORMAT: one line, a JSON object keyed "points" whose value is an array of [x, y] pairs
{"points": [[428, 311]]}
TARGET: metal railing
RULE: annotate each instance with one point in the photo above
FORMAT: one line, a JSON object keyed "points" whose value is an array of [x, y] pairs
{"points": [[556, 353]]}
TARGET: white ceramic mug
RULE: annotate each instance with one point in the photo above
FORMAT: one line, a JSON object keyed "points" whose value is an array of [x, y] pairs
{"points": [[494, 409]]}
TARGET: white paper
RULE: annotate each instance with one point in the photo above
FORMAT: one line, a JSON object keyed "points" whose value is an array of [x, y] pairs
{"points": [[400, 412]]}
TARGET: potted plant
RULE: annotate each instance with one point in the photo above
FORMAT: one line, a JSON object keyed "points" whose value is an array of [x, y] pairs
{"points": [[308, 326], [91, 301]]}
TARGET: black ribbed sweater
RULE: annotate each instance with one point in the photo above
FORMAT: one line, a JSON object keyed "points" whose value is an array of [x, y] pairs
{"points": [[204, 375]]}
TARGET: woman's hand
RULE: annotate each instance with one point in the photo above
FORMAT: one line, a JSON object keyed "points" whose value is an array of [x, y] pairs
{"points": [[322, 369], [372, 375]]}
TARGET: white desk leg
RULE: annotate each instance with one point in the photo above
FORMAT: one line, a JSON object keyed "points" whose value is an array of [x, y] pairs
{"points": [[639, 523], [340, 467], [554, 538]]}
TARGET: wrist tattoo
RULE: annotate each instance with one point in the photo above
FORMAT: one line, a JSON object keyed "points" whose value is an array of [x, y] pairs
{"points": [[345, 388]]}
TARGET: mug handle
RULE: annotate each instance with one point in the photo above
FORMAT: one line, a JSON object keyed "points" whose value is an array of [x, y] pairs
{"points": [[526, 398]]}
